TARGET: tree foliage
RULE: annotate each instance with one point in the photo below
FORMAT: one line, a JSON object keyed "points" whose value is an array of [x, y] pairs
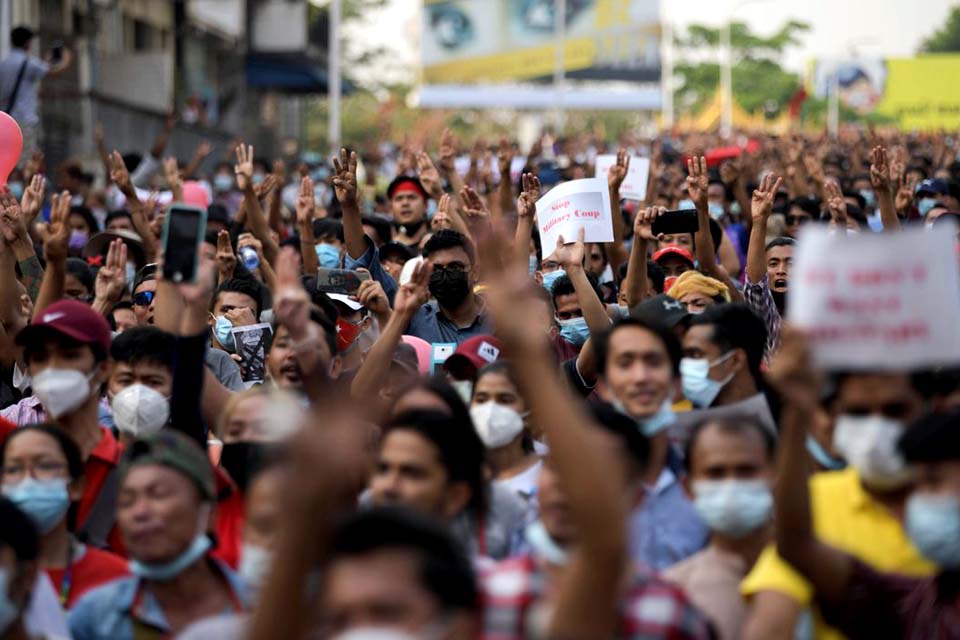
{"points": [[947, 39]]}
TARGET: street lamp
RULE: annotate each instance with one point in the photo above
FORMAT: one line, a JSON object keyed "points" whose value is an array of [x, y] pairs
{"points": [[726, 71]]}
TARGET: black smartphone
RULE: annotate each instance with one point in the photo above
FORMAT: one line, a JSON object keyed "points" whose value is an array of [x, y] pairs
{"points": [[183, 231], [56, 52], [342, 281], [676, 221]]}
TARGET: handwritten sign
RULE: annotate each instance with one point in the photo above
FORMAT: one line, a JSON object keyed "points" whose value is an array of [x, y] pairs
{"points": [[634, 186], [571, 206], [886, 301]]}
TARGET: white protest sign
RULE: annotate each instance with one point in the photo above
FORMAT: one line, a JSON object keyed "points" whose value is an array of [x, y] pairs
{"points": [[634, 186], [887, 301], [571, 206]]}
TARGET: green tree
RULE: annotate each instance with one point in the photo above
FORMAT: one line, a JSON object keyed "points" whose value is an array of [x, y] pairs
{"points": [[759, 82], [947, 39]]}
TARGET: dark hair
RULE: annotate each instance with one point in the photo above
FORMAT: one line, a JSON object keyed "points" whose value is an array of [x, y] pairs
{"points": [[808, 204], [327, 227], [80, 270], [246, 286], [443, 567], [87, 216], [381, 225], [144, 344], [738, 424], [146, 272], [636, 445], [45, 335], [460, 448], [656, 275], [71, 451], [736, 326], [667, 338], [119, 213], [448, 239], [123, 304], [211, 237], [563, 286], [20, 37], [780, 242], [18, 532], [502, 368]]}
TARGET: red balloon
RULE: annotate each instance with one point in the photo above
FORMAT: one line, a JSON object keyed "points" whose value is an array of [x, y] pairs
{"points": [[194, 194], [11, 145]]}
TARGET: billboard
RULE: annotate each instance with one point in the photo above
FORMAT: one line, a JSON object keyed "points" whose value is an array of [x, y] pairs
{"points": [[913, 93], [496, 41]]}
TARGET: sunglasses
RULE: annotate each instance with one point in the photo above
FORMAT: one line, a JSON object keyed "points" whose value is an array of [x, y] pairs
{"points": [[144, 298]]}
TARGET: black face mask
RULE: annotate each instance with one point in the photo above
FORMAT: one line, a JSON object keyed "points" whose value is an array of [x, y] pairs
{"points": [[780, 299], [242, 460], [450, 288], [409, 228]]}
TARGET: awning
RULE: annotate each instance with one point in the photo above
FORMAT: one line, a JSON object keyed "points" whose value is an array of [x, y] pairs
{"points": [[289, 74]]}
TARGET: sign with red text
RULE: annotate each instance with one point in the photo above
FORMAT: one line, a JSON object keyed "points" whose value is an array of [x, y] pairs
{"points": [[634, 186], [887, 301], [571, 206]]}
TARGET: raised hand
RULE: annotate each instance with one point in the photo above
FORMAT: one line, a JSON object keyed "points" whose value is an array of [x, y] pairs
{"points": [[172, 174], [112, 276], [698, 182], [814, 168], [504, 158], [527, 202], [429, 176], [34, 164], [226, 259], [265, 188], [618, 172], [643, 223], [763, 197], [835, 202], [33, 197], [203, 149], [570, 256], [791, 371], [730, 172], [448, 152], [12, 222], [904, 196], [413, 295], [306, 203], [372, 296], [345, 178], [120, 175], [879, 169], [56, 234], [441, 219], [241, 317], [474, 209], [292, 304], [244, 167]]}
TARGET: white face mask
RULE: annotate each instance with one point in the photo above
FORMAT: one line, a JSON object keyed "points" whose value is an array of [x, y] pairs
{"points": [[496, 424], [254, 564], [139, 410], [62, 391], [733, 507], [20, 380], [869, 443]]}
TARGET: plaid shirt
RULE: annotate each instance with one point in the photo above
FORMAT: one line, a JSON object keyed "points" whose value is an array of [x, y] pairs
{"points": [[760, 299], [513, 605]]}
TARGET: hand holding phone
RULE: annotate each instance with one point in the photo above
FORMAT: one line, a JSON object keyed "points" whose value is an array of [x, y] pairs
{"points": [[342, 281], [183, 231], [676, 221]]}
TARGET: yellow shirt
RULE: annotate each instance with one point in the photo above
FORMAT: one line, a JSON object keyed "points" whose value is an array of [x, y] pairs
{"points": [[846, 517]]}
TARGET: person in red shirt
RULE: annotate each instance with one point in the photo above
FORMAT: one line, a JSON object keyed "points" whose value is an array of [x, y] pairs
{"points": [[42, 474]]}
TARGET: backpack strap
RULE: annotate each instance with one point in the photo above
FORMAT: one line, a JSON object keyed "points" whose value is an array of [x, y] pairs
{"points": [[103, 515], [16, 86]]}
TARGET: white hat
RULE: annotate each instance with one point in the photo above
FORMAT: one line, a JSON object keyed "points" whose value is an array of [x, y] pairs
{"points": [[346, 300], [408, 268]]}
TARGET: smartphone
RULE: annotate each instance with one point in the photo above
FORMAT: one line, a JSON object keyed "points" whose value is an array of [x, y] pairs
{"points": [[677, 221], [340, 280], [56, 52], [183, 231]]}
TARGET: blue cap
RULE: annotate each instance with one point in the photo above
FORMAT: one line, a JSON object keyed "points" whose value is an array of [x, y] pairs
{"points": [[932, 186]]}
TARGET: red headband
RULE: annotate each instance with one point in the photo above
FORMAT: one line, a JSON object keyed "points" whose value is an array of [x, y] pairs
{"points": [[408, 186]]}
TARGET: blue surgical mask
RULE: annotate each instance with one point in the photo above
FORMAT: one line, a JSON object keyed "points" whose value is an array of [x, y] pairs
{"points": [[16, 189], [733, 507], [663, 418], [686, 204], [258, 178], [551, 277], [869, 198], [715, 209], [170, 570], [933, 522], [223, 329], [823, 458], [45, 501], [533, 264], [698, 387], [328, 255], [575, 331], [925, 204], [545, 546], [222, 183]]}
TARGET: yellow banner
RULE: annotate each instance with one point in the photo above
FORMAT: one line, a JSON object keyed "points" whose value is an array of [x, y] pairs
{"points": [[923, 92], [501, 67]]}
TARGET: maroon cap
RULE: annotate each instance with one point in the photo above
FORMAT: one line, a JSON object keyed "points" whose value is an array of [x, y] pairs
{"points": [[73, 319], [673, 250], [472, 355]]}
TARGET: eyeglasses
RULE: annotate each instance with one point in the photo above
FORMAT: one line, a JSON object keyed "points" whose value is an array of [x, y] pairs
{"points": [[453, 267], [45, 470], [144, 298], [799, 220]]}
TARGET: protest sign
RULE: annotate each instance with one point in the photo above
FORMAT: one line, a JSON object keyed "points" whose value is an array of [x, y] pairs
{"points": [[877, 301], [571, 206], [252, 343], [634, 186], [439, 352]]}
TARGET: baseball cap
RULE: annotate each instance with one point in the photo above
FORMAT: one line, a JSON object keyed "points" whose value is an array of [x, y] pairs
{"points": [[472, 355], [394, 249], [71, 318], [661, 309], [405, 357], [932, 187], [100, 243], [406, 182], [216, 212], [673, 250], [346, 301], [170, 448]]}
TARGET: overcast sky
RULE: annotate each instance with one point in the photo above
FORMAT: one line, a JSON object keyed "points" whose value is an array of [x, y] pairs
{"points": [[883, 28]]}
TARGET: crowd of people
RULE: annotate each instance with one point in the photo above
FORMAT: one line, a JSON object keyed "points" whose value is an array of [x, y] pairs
{"points": [[486, 437]]}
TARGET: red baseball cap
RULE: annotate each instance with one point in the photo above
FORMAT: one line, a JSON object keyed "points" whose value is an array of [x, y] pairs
{"points": [[673, 250], [71, 318], [472, 355]]}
